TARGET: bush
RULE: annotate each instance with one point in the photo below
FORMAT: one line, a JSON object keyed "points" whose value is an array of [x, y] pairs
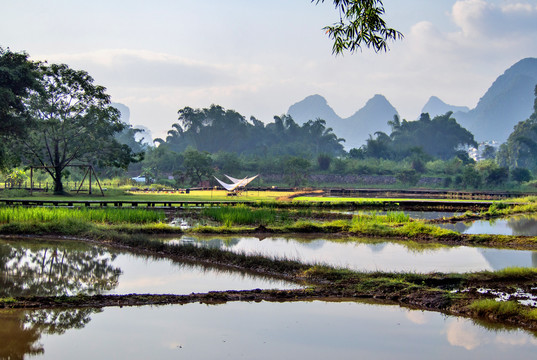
{"points": [[497, 176], [408, 177], [520, 175]]}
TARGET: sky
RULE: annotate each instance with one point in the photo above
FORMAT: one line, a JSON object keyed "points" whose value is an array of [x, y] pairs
{"points": [[258, 57]]}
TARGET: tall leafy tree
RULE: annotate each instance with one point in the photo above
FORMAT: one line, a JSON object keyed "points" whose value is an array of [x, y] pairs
{"points": [[198, 165], [18, 76], [72, 122]]}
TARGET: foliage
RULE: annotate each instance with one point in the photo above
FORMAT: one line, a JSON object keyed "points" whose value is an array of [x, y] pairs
{"points": [[470, 177], [324, 160], [520, 150], [409, 177], [520, 175], [215, 129], [109, 216], [360, 24], [420, 140], [243, 215], [296, 170], [72, 120], [16, 177], [198, 165], [18, 76]]}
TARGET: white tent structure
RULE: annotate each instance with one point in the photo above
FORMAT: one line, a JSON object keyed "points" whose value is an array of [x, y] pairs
{"points": [[243, 182], [236, 183]]}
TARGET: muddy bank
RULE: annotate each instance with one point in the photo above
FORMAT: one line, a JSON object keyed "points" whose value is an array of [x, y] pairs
{"points": [[435, 299]]}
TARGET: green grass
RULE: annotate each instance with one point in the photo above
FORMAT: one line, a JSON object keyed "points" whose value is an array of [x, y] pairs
{"points": [[108, 216], [244, 215], [194, 195]]}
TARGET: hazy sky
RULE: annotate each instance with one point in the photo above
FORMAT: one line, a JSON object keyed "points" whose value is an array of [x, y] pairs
{"points": [[258, 57]]}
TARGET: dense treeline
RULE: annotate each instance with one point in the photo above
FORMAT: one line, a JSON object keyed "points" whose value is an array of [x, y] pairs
{"points": [[440, 138], [215, 129]]}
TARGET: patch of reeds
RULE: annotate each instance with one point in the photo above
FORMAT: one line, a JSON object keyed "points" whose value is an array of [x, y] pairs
{"points": [[507, 274], [109, 216], [502, 309]]}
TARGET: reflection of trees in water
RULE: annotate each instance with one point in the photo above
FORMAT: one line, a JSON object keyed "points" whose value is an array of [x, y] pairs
{"points": [[459, 227], [20, 330], [523, 225], [55, 269]]}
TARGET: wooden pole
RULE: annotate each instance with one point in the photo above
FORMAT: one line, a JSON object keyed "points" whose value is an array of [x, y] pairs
{"points": [[31, 179], [97, 178], [89, 181]]}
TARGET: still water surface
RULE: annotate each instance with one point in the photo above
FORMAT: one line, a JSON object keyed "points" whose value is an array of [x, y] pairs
{"points": [[67, 267], [371, 254], [292, 330], [514, 225]]}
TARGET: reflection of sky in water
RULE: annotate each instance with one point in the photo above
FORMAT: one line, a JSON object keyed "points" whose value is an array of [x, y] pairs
{"points": [[294, 330], [163, 276], [384, 256]]}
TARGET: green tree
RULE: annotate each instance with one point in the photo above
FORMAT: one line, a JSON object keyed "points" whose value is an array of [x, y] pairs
{"points": [[296, 170], [520, 150], [324, 160], [198, 165], [18, 76], [360, 24], [409, 177], [520, 175], [470, 177], [72, 121]]}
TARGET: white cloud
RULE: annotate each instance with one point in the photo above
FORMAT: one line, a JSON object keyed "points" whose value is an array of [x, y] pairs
{"points": [[462, 333], [131, 68], [478, 18]]}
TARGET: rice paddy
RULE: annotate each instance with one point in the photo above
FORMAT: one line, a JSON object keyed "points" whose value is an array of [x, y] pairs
{"points": [[106, 216]]}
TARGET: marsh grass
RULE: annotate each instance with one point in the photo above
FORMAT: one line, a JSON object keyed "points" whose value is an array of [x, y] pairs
{"points": [[244, 215], [62, 215], [510, 273], [504, 309]]}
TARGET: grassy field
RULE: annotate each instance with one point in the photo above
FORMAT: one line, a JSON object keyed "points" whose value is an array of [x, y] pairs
{"points": [[362, 199], [195, 195]]}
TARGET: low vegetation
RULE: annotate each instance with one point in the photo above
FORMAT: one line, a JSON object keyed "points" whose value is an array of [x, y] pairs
{"points": [[105, 216]]}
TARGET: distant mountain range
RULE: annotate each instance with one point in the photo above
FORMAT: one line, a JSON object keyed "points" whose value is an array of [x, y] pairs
{"points": [[355, 129], [508, 100]]}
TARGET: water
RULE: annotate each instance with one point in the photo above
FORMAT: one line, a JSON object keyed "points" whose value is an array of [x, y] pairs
{"points": [[60, 267], [292, 330], [372, 255], [515, 225]]}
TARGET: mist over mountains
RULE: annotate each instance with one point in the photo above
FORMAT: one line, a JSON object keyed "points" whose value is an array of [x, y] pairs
{"points": [[355, 129], [507, 101]]}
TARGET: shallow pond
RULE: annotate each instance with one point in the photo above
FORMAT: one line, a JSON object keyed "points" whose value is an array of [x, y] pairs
{"points": [[292, 330], [68, 267], [372, 254], [514, 225]]}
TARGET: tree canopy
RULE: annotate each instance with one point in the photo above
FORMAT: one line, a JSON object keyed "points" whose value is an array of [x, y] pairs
{"points": [[520, 150], [215, 129], [71, 121], [360, 24], [18, 76], [440, 137]]}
